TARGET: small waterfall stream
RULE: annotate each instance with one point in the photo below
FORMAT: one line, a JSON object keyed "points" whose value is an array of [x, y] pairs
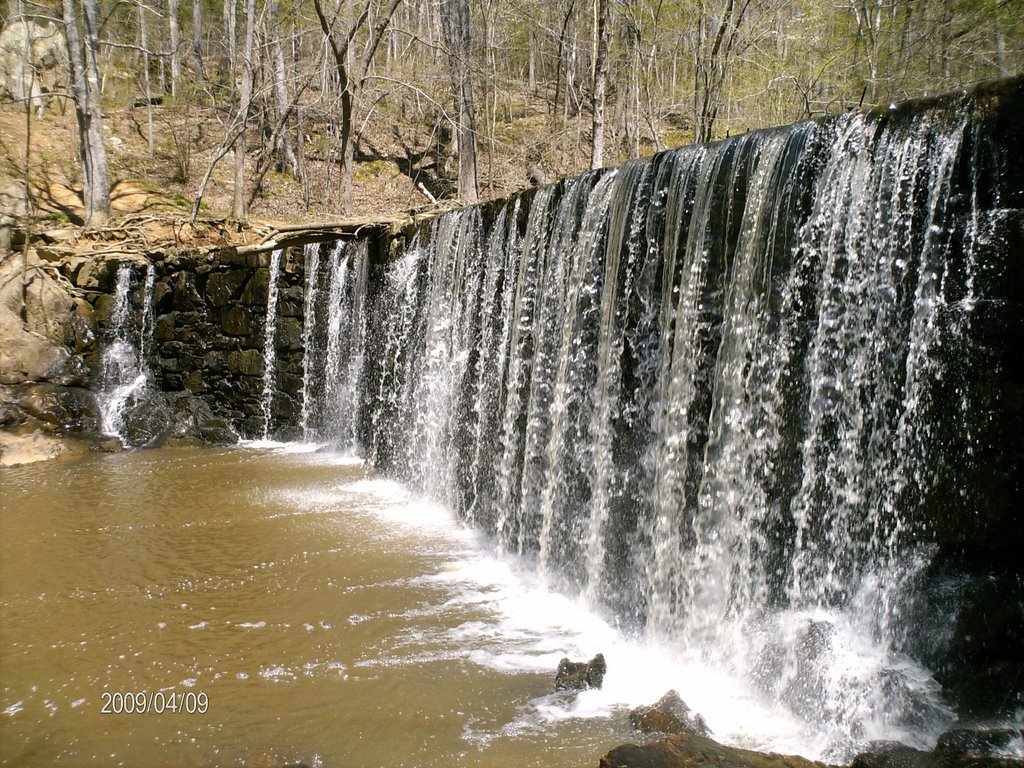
{"points": [[311, 269], [269, 350], [334, 333], [124, 366]]}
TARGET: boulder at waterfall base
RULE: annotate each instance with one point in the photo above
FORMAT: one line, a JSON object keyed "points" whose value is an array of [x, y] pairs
{"points": [[669, 715], [578, 675], [689, 750]]}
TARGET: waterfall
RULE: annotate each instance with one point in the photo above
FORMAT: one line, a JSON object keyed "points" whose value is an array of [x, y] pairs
{"points": [[124, 368], [736, 397], [334, 333], [311, 269], [269, 350]]}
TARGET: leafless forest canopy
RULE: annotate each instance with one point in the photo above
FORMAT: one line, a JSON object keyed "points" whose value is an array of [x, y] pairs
{"points": [[472, 99]]}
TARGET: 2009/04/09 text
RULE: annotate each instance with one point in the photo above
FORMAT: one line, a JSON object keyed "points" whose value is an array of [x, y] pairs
{"points": [[154, 702]]}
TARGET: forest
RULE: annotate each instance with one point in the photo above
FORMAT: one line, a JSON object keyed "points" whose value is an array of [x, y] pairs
{"points": [[310, 108]]}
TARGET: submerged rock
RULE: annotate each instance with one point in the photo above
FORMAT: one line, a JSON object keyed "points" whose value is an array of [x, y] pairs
{"points": [[688, 750], [578, 675], [669, 715]]}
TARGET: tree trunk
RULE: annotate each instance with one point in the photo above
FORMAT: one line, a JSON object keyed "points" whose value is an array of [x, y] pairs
{"points": [[175, 33], [455, 18], [600, 85], [229, 62], [349, 82], [283, 149], [85, 87], [197, 38], [244, 102], [144, 41]]}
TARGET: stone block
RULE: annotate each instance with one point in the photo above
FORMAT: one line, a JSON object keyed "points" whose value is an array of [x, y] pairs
{"points": [[256, 290], [222, 287], [249, 362], [235, 321], [194, 382], [289, 334], [165, 327]]}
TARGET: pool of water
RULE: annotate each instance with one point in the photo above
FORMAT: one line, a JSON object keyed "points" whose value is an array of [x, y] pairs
{"points": [[294, 607], [324, 615]]}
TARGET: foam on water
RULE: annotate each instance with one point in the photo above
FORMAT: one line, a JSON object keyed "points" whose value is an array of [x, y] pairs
{"points": [[325, 454], [527, 628]]}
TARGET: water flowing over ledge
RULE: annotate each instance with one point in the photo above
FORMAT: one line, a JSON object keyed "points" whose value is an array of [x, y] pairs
{"points": [[748, 399], [754, 404]]}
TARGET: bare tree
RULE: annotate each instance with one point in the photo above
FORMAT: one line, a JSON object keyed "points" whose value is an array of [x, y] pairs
{"points": [[174, 30], [238, 209], [83, 46], [600, 85], [229, 60], [455, 20], [352, 77], [197, 38], [283, 145], [713, 58], [144, 42]]}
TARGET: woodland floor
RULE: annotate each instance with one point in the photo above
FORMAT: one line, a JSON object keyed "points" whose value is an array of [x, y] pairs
{"points": [[391, 167]]}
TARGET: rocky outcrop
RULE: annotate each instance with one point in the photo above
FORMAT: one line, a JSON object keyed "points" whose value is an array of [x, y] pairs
{"points": [[579, 675], [46, 409], [669, 715], [33, 62]]}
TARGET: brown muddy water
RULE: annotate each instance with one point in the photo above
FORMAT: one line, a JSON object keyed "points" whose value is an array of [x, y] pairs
{"points": [[290, 606]]}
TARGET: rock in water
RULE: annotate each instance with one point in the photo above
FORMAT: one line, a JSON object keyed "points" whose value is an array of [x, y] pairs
{"points": [[578, 676], [686, 750], [956, 748], [968, 743], [669, 715]]}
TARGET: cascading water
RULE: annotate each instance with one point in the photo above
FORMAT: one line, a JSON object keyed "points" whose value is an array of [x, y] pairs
{"points": [[269, 349], [124, 368], [311, 269], [727, 395], [333, 361]]}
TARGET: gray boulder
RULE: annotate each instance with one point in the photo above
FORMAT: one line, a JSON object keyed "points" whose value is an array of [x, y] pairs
{"points": [[33, 62]]}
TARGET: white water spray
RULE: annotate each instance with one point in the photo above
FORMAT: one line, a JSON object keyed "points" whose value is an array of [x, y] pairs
{"points": [[269, 350]]}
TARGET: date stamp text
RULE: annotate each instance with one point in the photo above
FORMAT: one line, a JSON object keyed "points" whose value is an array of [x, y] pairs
{"points": [[154, 702]]}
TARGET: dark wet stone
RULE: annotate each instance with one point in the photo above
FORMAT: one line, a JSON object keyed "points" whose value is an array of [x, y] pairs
{"points": [[63, 409], [218, 431], [257, 289], [248, 362], [956, 748], [235, 321], [222, 287], [669, 715], [289, 334], [687, 750], [147, 418], [893, 755], [578, 675], [966, 742]]}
